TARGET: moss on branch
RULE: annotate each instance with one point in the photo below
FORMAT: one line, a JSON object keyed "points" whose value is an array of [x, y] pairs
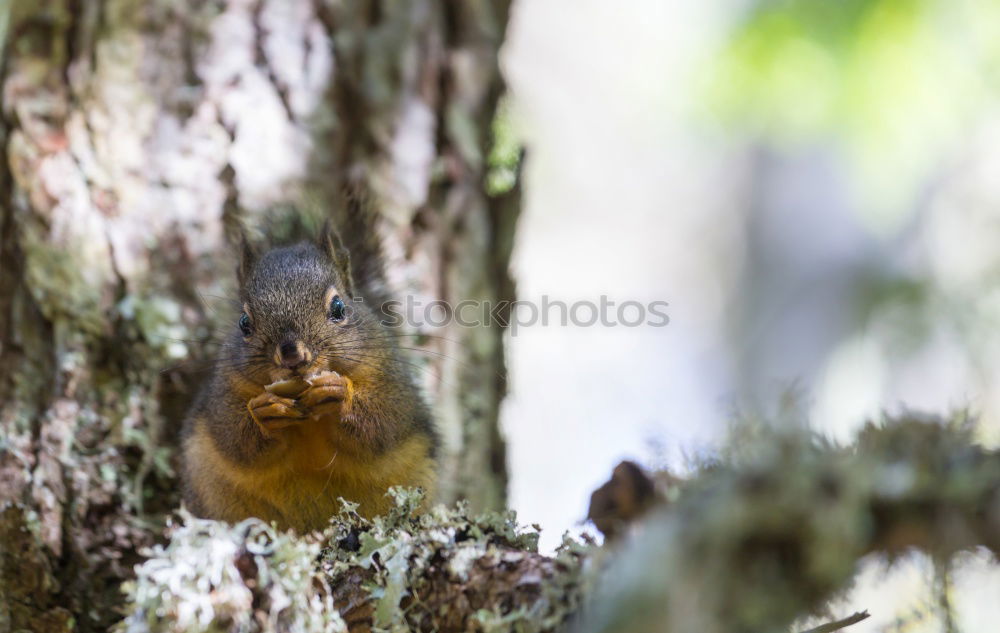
{"points": [[770, 532], [777, 530], [447, 570]]}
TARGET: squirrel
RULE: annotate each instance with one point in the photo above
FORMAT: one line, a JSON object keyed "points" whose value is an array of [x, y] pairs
{"points": [[628, 496], [309, 399]]}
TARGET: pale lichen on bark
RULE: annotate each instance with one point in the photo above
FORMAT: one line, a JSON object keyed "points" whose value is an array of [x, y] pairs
{"points": [[447, 570]]}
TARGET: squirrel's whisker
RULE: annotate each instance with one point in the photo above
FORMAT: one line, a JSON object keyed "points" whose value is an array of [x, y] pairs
{"points": [[356, 358], [464, 364]]}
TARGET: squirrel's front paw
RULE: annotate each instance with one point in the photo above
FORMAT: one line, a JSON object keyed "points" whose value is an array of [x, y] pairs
{"points": [[326, 394], [271, 411]]}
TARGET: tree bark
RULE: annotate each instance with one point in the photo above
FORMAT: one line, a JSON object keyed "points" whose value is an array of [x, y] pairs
{"points": [[137, 137]]}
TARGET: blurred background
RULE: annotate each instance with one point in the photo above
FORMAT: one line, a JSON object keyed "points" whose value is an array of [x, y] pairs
{"points": [[813, 188]]}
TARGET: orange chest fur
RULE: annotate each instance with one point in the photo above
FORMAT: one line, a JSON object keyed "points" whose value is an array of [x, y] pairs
{"points": [[314, 464]]}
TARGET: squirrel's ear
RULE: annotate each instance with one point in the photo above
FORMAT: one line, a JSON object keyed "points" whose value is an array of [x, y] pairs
{"points": [[248, 257], [331, 244]]}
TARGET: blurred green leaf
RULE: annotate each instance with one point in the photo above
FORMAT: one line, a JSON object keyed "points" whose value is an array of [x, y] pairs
{"points": [[890, 83]]}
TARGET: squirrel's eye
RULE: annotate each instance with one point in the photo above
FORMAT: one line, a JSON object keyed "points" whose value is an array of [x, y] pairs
{"points": [[337, 309], [245, 325]]}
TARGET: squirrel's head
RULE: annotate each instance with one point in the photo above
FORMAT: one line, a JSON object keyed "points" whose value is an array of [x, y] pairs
{"points": [[300, 311]]}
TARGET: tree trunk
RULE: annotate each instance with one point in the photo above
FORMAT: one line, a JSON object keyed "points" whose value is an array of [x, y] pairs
{"points": [[138, 137]]}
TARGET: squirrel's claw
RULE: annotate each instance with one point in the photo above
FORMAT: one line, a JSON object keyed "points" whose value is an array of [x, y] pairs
{"points": [[272, 412], [326, 394]]}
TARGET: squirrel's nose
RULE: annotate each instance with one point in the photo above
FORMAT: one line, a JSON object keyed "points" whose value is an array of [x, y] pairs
{"points": [[292, 354]]}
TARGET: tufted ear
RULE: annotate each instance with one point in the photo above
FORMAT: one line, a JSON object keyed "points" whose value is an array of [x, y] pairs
{"points": [[331, 244], [248, 259]]}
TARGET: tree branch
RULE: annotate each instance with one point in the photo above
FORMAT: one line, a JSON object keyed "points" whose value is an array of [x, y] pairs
{"points": [[775, 528], [840, 624], [750, 543]]}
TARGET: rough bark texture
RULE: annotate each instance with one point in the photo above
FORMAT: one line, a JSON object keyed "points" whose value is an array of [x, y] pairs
{"points": [[137, 137]]}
